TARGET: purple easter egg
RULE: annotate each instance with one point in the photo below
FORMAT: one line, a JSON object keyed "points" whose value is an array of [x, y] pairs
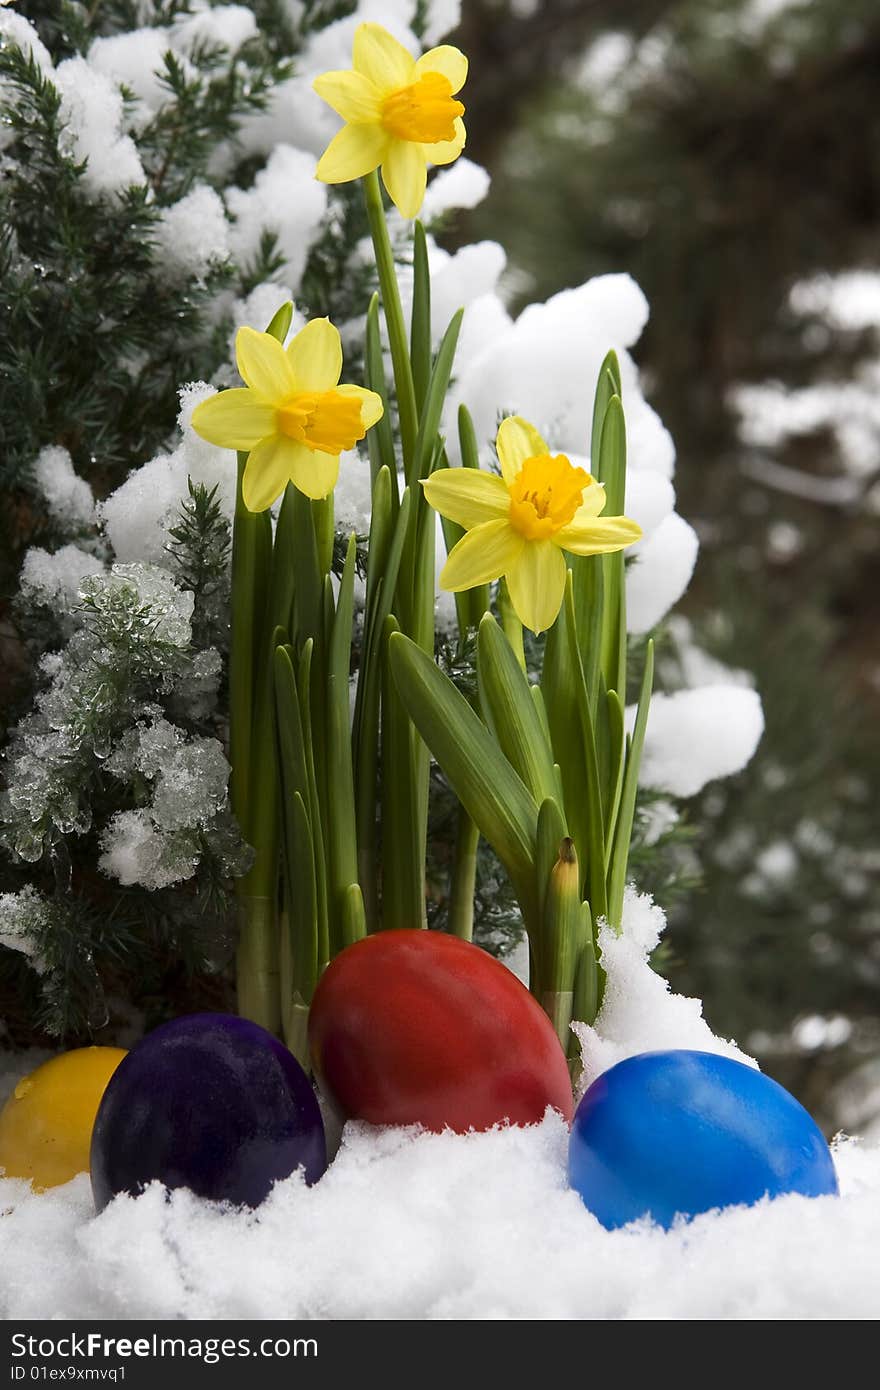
{"points": [[210, 1102]]}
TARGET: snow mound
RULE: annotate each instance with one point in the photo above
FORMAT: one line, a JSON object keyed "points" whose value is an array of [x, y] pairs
{"points": [[410, 1225], [695, 736], [639, 1012]]}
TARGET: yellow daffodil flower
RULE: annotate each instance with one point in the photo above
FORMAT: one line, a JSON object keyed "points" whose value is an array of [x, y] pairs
{"points": [[291, 415], [400, 113], [518, 525]]}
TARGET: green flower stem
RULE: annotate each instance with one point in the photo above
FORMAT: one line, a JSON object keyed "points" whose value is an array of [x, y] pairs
{"points": [[397, 334], [323, 515], [255, 613], [257, 965], [513, 628], [257, 971], [464, 877], [251, 559]]}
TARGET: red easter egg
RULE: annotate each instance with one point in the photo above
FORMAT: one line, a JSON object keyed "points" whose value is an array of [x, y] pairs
{"points": [[416, 1027]]}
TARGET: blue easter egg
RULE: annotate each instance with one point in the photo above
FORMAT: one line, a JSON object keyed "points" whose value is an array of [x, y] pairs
{"points": [[211, 1102], [679, 1132]]}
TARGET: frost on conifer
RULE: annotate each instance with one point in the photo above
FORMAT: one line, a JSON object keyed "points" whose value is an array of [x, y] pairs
{"points": [[118, 762]]}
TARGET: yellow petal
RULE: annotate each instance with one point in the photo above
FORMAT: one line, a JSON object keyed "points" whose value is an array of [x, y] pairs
{"points": [[315, 356], [515, 442], [233, 419], [447, 60], [263, 364], [482, 555], [445, 151], [599, 535], [405, 175], [267, 472], [536, 584], [351, 94], [592, 502], [467, 496], [314, 474], [372, 405], [380, 58], [356, 150]]}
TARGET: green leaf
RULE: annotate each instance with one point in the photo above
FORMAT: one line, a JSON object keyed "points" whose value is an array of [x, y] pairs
{"points": [[613, 788], [301, 896], [608, 385], [283, 570], [307, 578], [420, 326], [481, 777], [612, 451], [251, 572], [366, 717], [509, 711], [587, 981], [467, 439], [291, 745], [588, 579], [354, 921], [623, 831], [342, 835], [550, 834], [397, 336], [435, 398], [380, 440], [574, 746], [316, 810], [403, 889], [595, 843], [280, 325]]}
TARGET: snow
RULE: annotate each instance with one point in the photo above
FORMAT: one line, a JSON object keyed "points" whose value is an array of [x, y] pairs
{"points": [[15, 29], [849, 301], [659, 571], [193, 234], [408, 1225], [54, 580], [639, 1012], [259, 308], [286, 199], [773, 416], [462, 280], [137, 516], [443, 17], [224, 26], [69, 498], [352, 497], [91, 108], [20, 914], [463, 184], [696, 736], [545, 366], [136, 60]]}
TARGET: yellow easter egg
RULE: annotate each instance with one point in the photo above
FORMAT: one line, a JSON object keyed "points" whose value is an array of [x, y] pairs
{"points": [[46, 1124]]}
